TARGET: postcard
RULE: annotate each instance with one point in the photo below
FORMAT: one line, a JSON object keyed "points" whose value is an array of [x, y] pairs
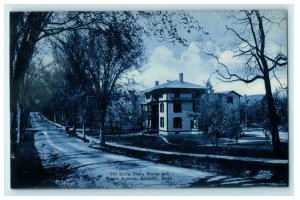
{"points": [[149, 99]]}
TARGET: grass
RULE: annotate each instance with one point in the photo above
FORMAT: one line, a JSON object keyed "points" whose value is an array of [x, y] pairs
{"points": [[252, 144], [195, 144]]}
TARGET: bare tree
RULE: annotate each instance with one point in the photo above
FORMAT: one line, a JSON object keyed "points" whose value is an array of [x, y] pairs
{"points": [[251, 33]]}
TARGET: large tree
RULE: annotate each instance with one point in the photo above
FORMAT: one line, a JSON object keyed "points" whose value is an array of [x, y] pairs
{"points": [[27, 29], [118, 53], [260, 60], [103, 56], [119, 31]]}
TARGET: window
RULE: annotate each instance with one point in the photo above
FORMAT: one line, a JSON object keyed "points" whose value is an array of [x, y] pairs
{"points": [[177, 107], [162, 107], [156, 97], [177, 122], [229, 99], [176, 95], [147, 96], [162, 122]]}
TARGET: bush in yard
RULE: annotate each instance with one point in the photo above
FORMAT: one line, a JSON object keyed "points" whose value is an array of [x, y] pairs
{"points": [[231, 124]]}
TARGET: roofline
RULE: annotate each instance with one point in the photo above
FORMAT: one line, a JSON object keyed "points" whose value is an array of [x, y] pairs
{"points": [[227, 92], [163, 88]]}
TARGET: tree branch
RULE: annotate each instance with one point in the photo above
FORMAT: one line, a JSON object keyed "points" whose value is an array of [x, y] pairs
{"points": [[276, 61], [278, 80], [238, 35], [230, 76]]}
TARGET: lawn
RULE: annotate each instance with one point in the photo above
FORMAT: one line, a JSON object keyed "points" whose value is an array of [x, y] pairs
{"points": [[253, 144]]}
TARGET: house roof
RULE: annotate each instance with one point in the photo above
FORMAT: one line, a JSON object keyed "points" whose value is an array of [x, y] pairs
{"points": [[227, 92], [176, 84]]}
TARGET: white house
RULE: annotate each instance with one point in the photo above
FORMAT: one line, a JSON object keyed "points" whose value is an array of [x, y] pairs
{"points": [[168, 108]]}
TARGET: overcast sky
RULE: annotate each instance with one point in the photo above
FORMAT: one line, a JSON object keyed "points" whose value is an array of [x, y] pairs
{"points": [[168, 60]]}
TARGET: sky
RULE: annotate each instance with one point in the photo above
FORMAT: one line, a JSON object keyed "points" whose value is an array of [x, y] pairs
{"points": [[166, 60]]}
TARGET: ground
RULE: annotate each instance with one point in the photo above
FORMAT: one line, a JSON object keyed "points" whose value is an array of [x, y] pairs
{"points": [[67, 162], [252, 144]]}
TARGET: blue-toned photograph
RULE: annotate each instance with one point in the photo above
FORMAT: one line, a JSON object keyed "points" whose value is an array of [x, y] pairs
{"points": [[149, 99]]}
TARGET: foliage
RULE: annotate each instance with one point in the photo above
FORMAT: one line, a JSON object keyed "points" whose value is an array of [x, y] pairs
{"points": [[124, 111], [281, 104], [257, 111], [217, 118], [97, 61], [92, 51]]}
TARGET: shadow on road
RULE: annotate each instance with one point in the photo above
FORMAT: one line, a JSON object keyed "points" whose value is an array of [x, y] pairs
{"points": [[26, 167]]}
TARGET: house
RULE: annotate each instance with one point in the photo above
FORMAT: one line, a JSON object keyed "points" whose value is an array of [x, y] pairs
{"points": [[230, 98], [168, 108]]}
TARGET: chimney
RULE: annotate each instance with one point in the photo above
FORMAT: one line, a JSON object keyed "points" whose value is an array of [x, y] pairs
{"points": [[181, 77], [156, 83]]}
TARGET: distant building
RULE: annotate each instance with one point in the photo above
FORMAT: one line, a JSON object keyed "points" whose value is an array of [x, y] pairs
{"points": [[230, 98], [168, 108]]}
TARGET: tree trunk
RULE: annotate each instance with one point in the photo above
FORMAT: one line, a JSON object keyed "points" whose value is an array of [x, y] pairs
{"points": [[83, 130], [272, 115], [19, 61], [103, 108], [13, 131], [83, 124], [19, 124], [102, 133], [270, 100]]}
